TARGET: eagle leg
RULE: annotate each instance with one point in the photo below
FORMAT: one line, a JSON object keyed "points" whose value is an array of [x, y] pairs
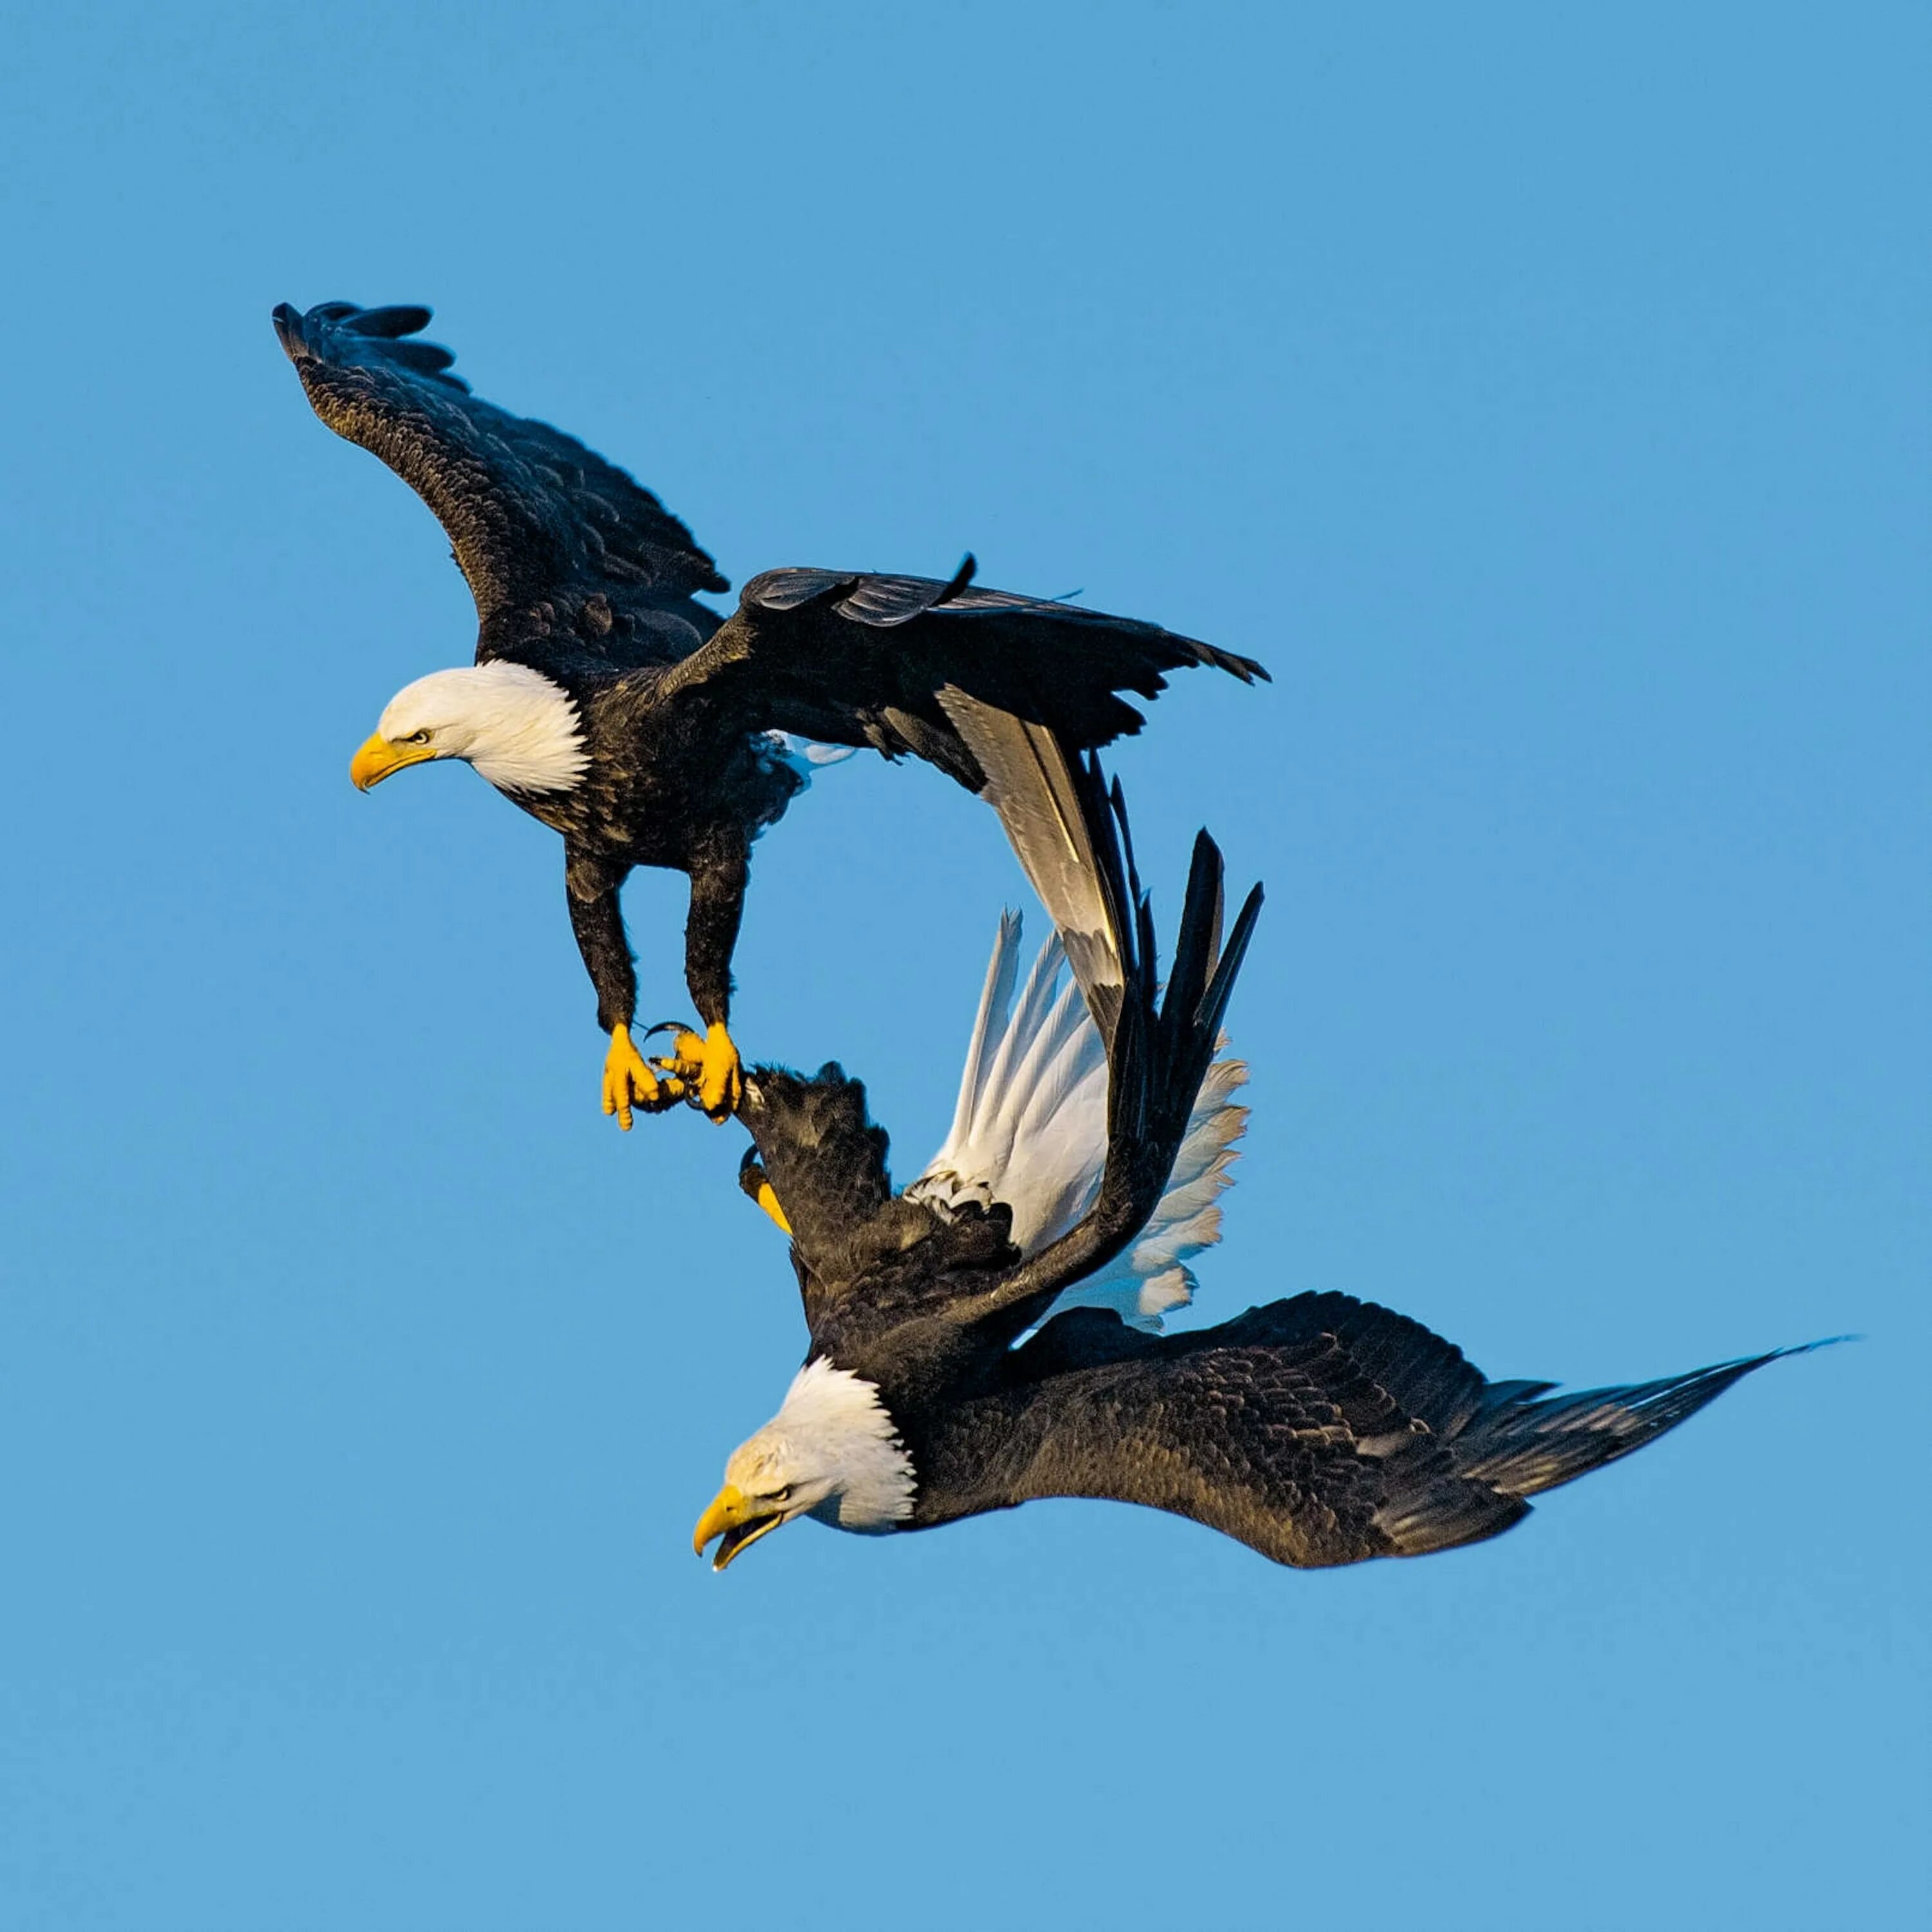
{"points": [[709, 1068], [628, 1082]]}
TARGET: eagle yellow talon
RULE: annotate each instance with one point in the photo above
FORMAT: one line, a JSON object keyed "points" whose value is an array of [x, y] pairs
{"points": [[714, 1062], [628, 1082], [706, 1069]]}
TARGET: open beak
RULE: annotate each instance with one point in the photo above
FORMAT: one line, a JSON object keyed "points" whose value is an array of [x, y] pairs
{"points": [[378, 758], [739, 1519]]}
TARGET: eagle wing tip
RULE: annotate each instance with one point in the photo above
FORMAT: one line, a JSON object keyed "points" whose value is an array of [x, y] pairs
{"points": [[288, 321]]}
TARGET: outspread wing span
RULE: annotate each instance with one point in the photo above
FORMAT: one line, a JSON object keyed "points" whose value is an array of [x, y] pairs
{"points": [[1320, 1430], [535, 518], [855, 659]]}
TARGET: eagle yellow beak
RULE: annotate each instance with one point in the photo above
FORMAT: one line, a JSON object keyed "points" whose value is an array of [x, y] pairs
{"points": [[379, 757], [739, 1519]]}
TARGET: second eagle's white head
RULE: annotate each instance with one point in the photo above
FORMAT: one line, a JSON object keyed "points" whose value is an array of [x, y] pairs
{"points": [[519, 728], [832, 1451]]}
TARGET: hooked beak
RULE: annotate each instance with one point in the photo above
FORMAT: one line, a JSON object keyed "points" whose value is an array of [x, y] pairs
{"points": [[379, 757], [739, 1519]]}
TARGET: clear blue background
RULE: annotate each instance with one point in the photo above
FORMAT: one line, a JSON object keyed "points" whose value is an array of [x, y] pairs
{"points": [[1545, 399]]}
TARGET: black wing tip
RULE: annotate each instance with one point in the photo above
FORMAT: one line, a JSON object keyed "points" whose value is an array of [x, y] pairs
{"points": [[288, 321], [1696, 1388], [1250, 670], [392, 320], [1729, 1373], [386, 333], [1208, 854]]}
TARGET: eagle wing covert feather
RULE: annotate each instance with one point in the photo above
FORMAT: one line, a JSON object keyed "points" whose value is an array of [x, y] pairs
{"points": [[854, 658], [535, 518]]}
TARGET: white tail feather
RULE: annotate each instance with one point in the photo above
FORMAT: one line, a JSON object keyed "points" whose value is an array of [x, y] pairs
{"points": [[1153, 1276], [1031, 1129], [996, 996]]}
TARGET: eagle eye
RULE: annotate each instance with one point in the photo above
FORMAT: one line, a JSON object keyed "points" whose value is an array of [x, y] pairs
{"points": [[417, 738]]}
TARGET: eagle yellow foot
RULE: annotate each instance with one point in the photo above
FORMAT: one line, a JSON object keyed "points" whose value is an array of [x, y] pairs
{"points": [[628, 1082], [708, 1067]]}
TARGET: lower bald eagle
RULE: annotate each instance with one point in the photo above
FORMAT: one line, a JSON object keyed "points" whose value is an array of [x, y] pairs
{"points": [[608, 702], [1080, 1177]]}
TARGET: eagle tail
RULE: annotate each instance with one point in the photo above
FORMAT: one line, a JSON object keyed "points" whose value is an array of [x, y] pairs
{"points": [[1031, 1129]]}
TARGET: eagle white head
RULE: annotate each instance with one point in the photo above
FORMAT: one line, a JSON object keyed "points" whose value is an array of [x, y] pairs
{"points": [[517, 727], [832, 1451]]}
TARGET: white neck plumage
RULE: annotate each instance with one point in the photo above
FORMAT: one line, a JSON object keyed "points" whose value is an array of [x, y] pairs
{"points": [[517, 727], [832, 1431]]}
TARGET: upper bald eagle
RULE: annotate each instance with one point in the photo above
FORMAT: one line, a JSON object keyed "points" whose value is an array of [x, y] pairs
{"points": [[611, 704], [1318, 1430]]}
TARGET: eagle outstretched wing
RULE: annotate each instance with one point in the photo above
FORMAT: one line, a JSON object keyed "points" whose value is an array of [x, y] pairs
{"points": [[853, 658], [535, 518], [1320, 1430]]}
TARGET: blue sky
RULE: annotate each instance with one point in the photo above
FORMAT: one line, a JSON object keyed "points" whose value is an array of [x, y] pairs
{"points": [[1544, 398]]}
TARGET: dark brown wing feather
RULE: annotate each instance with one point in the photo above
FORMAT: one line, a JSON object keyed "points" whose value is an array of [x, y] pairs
{"points": [[858, 659], [535, 518], [826, 1162], [1320, 1430]]}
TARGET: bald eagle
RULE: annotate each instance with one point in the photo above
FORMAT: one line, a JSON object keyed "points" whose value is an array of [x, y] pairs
{"points": [[611, 704], [991, 1335]]}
